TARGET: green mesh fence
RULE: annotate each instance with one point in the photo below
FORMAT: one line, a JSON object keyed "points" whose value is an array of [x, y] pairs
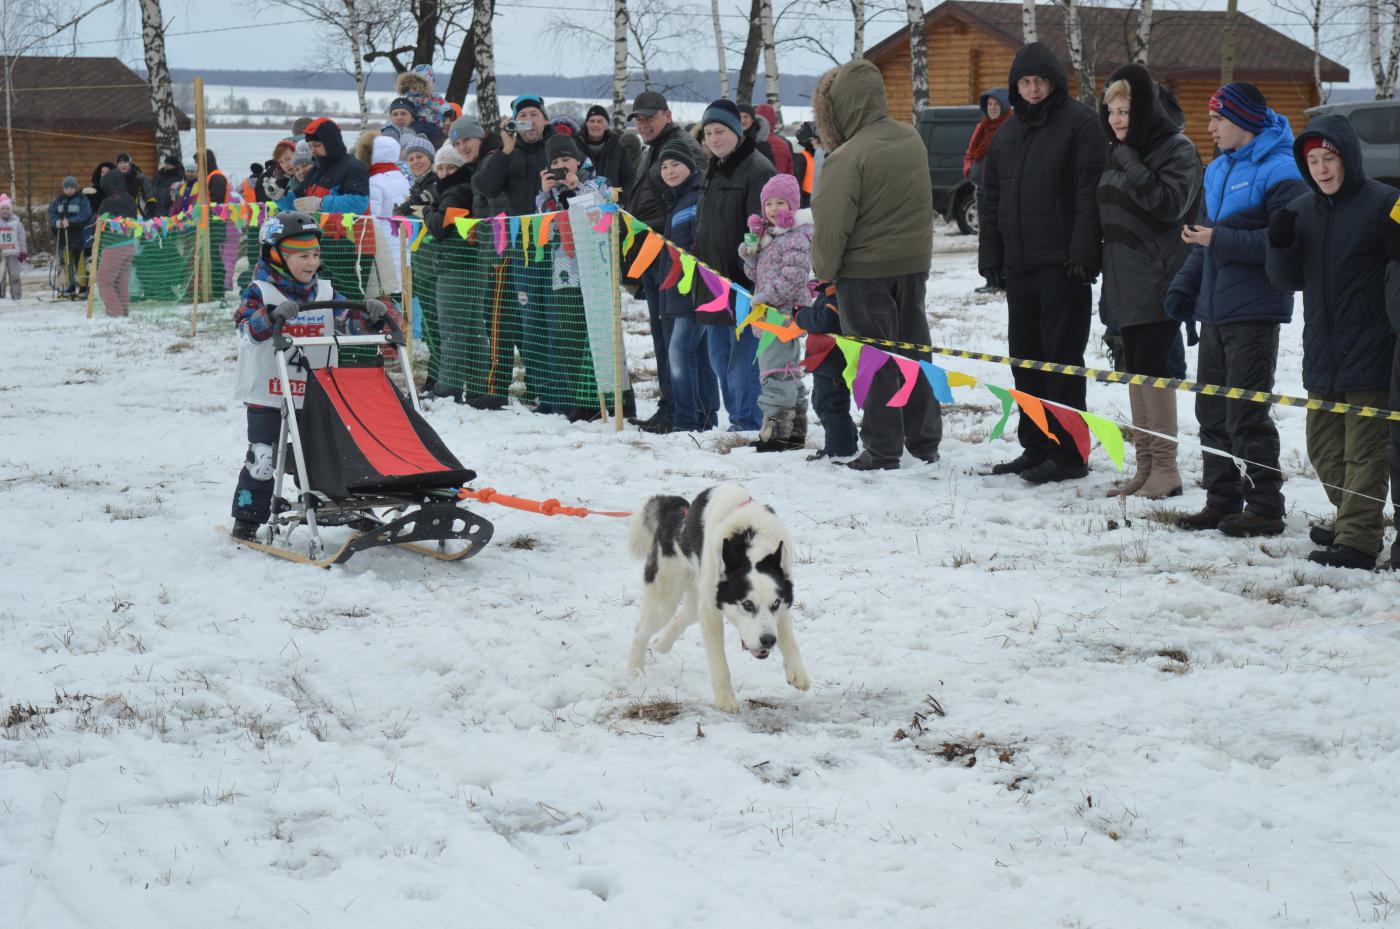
{"points": [[499, 315]]}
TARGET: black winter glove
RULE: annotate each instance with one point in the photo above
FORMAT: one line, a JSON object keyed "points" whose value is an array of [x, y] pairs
{"points": [[255, 170], [428, 195], [375, 311], [1123, 155], [286, 311], [1283, 228], [996, 277], [1083, 274]]}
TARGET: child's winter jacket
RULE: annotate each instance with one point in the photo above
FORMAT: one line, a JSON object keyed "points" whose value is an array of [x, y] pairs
{"points": [[821, 321], [782, 261], [681, 204]]}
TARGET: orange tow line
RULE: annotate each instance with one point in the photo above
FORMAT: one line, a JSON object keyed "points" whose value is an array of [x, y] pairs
{"points": [[543, 507]]}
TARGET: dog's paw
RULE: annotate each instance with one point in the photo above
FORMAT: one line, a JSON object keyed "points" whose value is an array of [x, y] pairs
{"points": [[798, 678], [635, 669], [727, 703]]}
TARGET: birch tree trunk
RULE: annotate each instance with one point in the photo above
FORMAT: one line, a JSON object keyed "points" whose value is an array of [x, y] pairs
{"points": [[355, 28], [918, 55], [719, 50], [158, 76], [1083, 71], [1317, 47], [487, 107], [1393, 59], [619, 81], [771, 93], [858, 40], [1028, 33], [1144, 32]]}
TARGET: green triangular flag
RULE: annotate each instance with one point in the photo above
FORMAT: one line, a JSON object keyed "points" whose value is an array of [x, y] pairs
{"points": [[852, 352], [1109, 435], [1006, 404], [766, 337]]}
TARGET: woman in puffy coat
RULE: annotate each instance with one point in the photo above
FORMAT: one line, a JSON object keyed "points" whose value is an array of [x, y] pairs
{"points": [[1151, 186], [1330, 243]]}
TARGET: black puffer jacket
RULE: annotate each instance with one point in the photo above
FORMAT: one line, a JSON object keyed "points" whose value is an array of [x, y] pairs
{"points": [[730, 193], [515, 176], [1038, 197], [1151, 187], [422, 192], [647, 200], [1338, 260], [116, 199], [612, 161], [454, 192]]}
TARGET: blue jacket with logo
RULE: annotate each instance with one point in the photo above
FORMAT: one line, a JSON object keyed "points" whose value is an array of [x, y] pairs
{"points": [[1242, 189], [681, 205]]}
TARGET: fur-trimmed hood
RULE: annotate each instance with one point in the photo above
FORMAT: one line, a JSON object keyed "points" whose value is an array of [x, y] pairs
{"points": [[848, 99], [413, 81], [364, 146]]}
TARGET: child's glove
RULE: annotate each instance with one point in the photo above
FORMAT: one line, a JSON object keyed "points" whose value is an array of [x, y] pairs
{"points": [[756, 224], [758, 297], [286, 311], [375, 310], [23, 257]]}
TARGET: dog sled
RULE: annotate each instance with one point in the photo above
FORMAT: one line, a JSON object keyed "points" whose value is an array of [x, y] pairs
{"points": [[361, 457]]}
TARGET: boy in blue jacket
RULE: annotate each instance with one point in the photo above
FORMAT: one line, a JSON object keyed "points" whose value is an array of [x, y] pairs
{"points": [[831, 397], [338, 182], [1224, 288], [69, 214]]}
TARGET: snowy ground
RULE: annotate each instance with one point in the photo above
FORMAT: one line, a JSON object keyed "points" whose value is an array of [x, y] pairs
{"points": [[1143, 728]]}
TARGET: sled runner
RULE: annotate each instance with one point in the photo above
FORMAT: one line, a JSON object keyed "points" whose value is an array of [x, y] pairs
{"points": [[361, 456]]}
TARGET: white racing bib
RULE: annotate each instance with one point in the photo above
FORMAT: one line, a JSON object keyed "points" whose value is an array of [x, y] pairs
{"points": [[9, 239], [258, 380]]}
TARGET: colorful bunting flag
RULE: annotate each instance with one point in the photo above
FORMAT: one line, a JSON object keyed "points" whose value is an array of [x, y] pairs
{"points": [[871, 360], [852, 352], [498, 223], [1109, 436], [1032, 407], [634, 226], [687, 273], [1007, 403], [651, 246], [1074, 424], [909, 368], [465, 225], [673, 272], [938, 380]]}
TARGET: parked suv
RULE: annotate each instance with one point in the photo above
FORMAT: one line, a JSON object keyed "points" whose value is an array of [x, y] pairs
{"points": [[1377, 123], [946, 130]]}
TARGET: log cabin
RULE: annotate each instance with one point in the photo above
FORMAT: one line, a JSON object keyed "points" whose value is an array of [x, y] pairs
{"points": [[971, 45]]}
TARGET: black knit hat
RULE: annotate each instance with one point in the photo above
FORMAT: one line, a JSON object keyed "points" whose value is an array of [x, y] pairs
{"points": [[596, 110], [123, 158], [678, 150], [561, 145], [749, 109], [401, 103]]}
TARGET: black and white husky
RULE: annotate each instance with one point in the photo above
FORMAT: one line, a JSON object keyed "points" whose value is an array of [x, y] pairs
{"points": [[721, 557]]}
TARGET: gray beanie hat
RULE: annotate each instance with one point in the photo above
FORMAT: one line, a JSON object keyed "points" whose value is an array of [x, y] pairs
{"points": [[467, 127], [417, 143], [68, 181], [302, 155]]}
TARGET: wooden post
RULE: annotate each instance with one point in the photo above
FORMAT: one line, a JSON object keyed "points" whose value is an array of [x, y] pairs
{"points": [[201, 236], [92, 271], [615, 247], [406, 288]]}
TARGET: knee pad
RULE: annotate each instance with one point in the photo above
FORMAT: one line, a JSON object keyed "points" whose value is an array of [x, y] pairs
{"points": [[259, 463]]}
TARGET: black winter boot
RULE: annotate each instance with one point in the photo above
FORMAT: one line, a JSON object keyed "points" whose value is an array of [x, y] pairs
{"points": [[1343, 556], [244, 530], [1024, 462], [1052, 470], [1322, 535], [1208, 518], [1248, 524]]}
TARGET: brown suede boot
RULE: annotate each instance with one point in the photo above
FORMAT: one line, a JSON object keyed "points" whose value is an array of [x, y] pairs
{"points": [[1142, 444], [1161, 414]]}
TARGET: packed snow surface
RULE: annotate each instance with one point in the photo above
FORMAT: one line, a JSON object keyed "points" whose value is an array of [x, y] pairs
{"points": [[1144, 728]]}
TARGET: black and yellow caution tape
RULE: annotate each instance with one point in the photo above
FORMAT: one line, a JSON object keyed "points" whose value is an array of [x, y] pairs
{"points": [[1120, 377]]}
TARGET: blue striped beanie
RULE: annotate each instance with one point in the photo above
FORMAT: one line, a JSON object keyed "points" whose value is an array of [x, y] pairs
{"points": [[1242, 104]]}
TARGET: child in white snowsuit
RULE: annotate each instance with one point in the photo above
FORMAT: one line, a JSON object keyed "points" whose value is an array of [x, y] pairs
{"points": [[284, 280], [13, 251], [777, 255]]}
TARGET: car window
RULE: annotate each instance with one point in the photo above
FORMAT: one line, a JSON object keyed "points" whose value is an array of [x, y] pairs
{"points": [[1377, 125]]}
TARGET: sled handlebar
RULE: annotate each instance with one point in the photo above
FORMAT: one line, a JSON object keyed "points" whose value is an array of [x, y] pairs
{"points": [[393, 336]]}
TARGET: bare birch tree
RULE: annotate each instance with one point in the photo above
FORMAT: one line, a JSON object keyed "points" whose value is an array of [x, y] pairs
{"points": [[158, 76], [346, 21], [858, 35], [918, 55], [1081, 62], [771, 93], [1028, 31], [719, 50], [1383, 42], [1227, 42], [619, 79], [1143, 36], [1318, 14], [487, 106]]}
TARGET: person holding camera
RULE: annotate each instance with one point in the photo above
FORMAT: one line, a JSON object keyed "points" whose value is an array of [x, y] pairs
{"points": [[514, 171]]}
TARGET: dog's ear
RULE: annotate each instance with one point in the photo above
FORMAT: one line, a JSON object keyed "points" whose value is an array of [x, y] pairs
{"points": [[735, 552]]}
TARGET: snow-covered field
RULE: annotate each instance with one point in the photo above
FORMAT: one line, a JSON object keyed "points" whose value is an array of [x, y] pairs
{"points": [[1143, 728]]}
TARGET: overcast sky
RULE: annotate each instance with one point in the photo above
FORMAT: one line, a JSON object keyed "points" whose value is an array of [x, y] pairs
{"points": [[254, 41]]}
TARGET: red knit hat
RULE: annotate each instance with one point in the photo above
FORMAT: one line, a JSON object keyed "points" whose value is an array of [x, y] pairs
{"points": [[1316, 141]]}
